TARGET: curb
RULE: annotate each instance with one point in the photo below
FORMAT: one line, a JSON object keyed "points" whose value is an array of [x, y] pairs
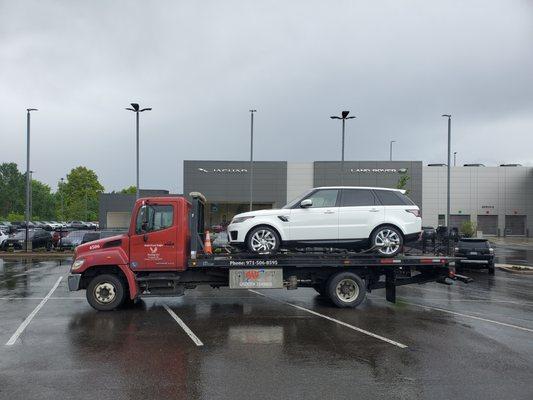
{"points": [[508, 268]]}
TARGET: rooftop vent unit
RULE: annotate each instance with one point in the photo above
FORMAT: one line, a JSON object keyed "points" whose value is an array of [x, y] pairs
{"points": [[436, 165], [510, 165], [473, 165]]}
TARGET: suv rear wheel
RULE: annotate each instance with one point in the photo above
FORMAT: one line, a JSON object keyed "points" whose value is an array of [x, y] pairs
{"points": [[387, 240]]}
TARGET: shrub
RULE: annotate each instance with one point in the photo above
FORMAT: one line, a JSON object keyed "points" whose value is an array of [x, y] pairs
{"points": [[468, 229]]}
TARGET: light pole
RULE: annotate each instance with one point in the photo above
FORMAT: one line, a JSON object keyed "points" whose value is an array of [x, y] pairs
{"points": [[344, 117], [448, 168], [252, 112], [136, 109], [390, 150], [28, 111], [454, 158]]}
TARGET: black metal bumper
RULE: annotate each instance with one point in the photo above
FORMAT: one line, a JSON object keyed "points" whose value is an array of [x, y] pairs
{"points": [[74, 282]]}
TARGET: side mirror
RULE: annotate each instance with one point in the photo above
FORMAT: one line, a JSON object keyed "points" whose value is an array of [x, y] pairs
{"points": [[306, 203]]}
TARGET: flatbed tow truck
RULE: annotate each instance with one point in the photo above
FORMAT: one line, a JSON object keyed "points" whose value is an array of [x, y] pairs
{"points": [[164, 253]]}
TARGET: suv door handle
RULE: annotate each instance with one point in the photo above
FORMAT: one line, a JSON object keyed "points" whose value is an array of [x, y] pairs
{"points": [[373, 210], [329, 212]]}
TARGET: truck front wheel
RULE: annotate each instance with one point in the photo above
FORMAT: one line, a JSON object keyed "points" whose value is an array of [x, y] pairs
{"points": [[346, 289], [105, 292]]}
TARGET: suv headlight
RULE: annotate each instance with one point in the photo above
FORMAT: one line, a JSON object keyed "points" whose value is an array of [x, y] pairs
{"points": [[238, 220], [77, 264]]}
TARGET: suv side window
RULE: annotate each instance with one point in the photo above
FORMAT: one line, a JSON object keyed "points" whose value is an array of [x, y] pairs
{"points": [[357, 197], [157, 217], [392, 198], [324, 198]]}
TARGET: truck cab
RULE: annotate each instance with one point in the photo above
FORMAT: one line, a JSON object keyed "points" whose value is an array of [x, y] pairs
{"points": [[157, 241]]}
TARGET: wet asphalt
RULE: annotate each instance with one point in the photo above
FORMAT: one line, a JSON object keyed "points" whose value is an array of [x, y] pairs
{"points": [[463, 341]]}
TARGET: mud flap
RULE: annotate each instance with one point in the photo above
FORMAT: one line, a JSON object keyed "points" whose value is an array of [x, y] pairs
{"points": [[390, 286]]}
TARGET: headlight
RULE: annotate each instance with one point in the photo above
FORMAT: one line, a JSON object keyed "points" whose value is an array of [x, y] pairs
{"points": [[238, 220], [77, 264]]}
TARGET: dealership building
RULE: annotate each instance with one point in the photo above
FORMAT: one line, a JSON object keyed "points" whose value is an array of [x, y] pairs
{"points": [[493, 198]]}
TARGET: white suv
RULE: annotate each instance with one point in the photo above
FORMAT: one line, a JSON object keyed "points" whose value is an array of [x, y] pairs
{"points": [[346, 217]]}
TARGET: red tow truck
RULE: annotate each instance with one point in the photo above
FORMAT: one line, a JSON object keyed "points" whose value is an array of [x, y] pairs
{"points": [[163, 255]]}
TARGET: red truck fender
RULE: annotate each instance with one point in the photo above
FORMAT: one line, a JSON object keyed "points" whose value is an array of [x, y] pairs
{"points": [[100, 254]]}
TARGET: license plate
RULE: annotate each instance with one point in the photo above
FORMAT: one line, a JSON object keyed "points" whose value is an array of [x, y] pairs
{"points": [[473, 253], [270, 278]]}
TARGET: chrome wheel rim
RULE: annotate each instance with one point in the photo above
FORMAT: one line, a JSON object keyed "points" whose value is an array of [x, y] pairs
{"points": [[263, 240], [105, 293], [347, 290], [387, 241]]}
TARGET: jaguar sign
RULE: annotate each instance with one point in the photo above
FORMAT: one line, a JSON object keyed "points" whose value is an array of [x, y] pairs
{"points": [[378, 170], [223, 170]]}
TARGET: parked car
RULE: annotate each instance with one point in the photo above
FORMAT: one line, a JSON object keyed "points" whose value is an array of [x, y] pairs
{"points": [[77, 237], [39, 238], [3, 238], [58, 235], [345, 217], [476, 253], [78, 225]]}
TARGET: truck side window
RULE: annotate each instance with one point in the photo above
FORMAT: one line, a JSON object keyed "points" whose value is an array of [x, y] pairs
{"points": [[157, 216]]}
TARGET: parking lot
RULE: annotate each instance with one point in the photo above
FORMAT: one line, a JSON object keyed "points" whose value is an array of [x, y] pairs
{"points": [[438, 342]]}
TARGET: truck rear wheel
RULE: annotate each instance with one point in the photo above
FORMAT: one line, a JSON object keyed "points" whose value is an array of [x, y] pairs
{"points": [[105, 292], [346, 289]]}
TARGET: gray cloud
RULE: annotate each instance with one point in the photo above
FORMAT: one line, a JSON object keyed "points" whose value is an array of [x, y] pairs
{"points": [[202, 65]]}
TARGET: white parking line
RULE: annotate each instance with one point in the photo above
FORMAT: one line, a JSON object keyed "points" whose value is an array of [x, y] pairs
{"points": [[470, 316], [28, 319], [355, 328], [191, 334]]}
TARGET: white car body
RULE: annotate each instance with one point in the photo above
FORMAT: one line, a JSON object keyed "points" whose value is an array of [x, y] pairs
{"points": [[3, 237], [340, 223]]}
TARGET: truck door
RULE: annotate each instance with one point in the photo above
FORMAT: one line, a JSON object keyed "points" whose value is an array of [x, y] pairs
{"points": [[153, 243]]}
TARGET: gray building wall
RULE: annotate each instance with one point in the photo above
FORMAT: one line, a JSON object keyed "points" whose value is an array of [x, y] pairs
{"points": [[121, 203], [475, 191], [299, 179], [371, 173], [229, 181]]}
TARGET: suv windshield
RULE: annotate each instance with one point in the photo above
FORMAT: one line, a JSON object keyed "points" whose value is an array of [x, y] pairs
{"points": [[298, 199]]}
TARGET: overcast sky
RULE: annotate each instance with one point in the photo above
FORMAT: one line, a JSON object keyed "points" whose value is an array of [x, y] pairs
{"points": [[201, 65]]}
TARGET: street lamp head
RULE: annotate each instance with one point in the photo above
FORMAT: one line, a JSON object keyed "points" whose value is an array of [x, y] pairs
{"points": [[135, 106], [253, 111], [334, 117], [345, 114], [146, 109], [352, 117], [129, 108], [447, 115], [31, 109]]}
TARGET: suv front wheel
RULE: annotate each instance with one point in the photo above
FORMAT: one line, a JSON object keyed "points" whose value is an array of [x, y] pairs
{"points": [[387, 240], [263, 239]]}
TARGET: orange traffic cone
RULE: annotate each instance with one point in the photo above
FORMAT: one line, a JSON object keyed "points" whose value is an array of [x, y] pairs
{"points": [[207, 245]]}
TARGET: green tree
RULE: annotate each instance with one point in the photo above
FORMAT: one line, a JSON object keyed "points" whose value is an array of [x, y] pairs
{"points": [[468, 229], [12, 190], [43, 201], [80, 194], [129, 190], [402, 183]]}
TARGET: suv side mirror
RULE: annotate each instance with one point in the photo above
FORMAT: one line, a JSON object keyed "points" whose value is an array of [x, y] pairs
{"points": [[306, 203]]}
